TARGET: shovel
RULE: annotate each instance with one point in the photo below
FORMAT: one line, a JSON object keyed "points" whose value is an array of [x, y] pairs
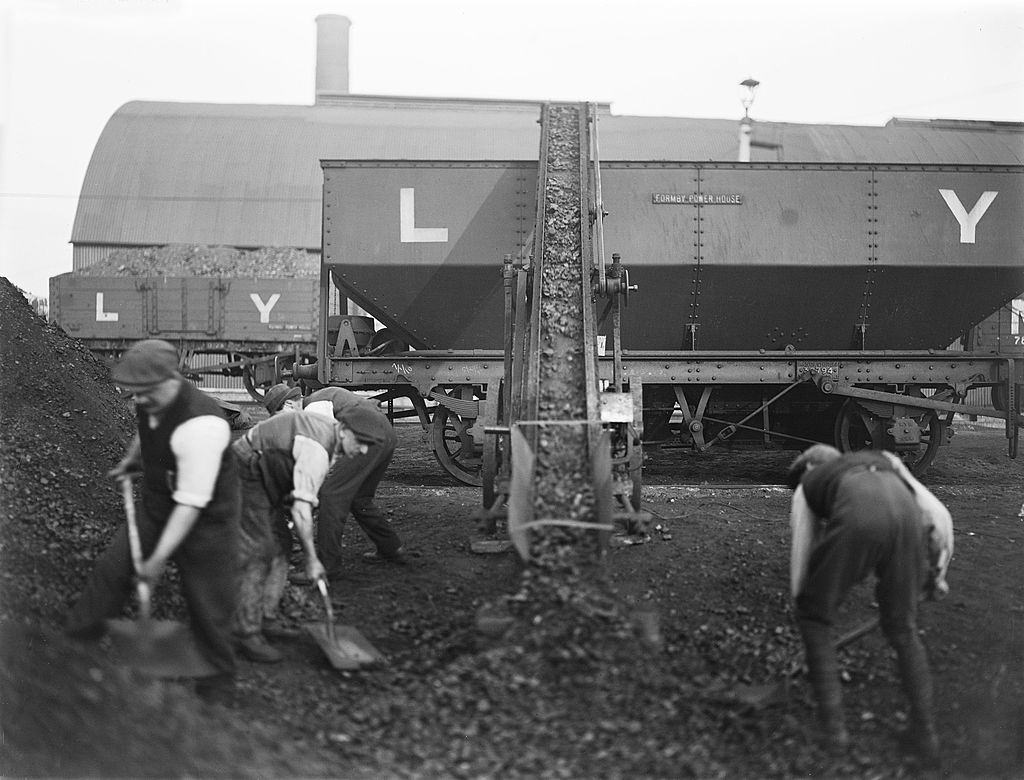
{"points": [[774, 693], [345, 646], [158, 648]]}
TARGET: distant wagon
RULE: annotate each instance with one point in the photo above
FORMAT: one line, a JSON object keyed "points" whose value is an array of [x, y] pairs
{"points": [[245, 323]]}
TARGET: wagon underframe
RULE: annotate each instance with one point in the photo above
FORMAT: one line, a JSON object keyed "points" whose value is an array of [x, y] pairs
{"points": [[902, 401]]}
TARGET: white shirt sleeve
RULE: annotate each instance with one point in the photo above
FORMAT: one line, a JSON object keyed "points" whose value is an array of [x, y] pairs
{"points": [[325, 408], [198, 445], [801, 524], [311, 464], [938, 525]]}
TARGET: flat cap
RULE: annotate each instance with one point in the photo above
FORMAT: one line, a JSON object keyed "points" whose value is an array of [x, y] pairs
{"points": [[146, 363], [814, 455], [365, 421], [276, 396]]}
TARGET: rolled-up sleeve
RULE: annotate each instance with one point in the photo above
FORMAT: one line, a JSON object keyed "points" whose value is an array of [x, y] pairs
{"points": [[801, 523], [198, 445], [311, 464], [938, 524]]}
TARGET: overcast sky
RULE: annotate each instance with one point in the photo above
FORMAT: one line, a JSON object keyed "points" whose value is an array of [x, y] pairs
{"points": [[67, 65]]}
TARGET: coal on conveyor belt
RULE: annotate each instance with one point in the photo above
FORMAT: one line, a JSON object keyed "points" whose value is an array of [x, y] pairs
{"points": [[562, 476]]}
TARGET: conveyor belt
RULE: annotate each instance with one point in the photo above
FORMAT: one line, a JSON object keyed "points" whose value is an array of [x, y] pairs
{"points": [[560, 384]]}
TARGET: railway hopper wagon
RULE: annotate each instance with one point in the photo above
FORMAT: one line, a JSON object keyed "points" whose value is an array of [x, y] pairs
{"points": [[770, 303], [252, 323]]}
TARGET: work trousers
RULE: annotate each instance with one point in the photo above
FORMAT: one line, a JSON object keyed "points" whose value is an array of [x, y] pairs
{"points": [[350, 486], [264, 544], [874, 526], [207, 564]]}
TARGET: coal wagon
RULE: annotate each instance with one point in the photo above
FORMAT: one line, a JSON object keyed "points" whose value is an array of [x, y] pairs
{"points": [[250, 324], [770, 303]]}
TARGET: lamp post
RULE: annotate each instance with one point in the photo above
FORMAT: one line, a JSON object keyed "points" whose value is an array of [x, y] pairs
{"points": [[748, 89]]}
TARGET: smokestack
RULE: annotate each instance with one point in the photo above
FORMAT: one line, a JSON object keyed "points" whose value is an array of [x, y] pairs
{"points": [[331, 56]]}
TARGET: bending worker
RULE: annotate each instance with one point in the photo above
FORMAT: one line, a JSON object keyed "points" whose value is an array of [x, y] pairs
{"points": [[189, 510], [352, 482], [283, 461], [852, 515]]}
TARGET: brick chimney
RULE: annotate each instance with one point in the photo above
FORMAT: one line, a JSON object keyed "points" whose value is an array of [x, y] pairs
{"points": [[331, 56]]}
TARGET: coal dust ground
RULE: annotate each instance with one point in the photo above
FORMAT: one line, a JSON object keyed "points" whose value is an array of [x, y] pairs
{"points": [[671, 694]]}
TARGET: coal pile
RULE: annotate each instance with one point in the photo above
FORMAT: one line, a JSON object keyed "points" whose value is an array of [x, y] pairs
{"points": [[570, 671], [200, 260], [64, 709], [68, 713], [62, 426]]}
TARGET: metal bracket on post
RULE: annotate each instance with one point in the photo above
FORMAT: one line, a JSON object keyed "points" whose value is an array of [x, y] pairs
{"points": [[691, 330], [346, 338], [694, 419], [861, 328]]}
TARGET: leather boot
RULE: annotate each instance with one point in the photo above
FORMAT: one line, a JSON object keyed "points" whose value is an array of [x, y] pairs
{"points": [[921, 738], [823, 670], [256, 648]]}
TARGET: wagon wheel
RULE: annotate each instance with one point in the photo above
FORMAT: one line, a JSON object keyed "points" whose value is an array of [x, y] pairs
{"points": [[858, 429], [454, 448], [249, 382], [386, 342]]}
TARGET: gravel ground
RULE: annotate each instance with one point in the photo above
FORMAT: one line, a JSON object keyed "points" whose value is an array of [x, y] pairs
{"points": [[493, 671]]}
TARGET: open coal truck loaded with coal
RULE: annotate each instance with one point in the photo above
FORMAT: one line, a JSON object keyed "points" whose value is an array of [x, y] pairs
{"points": [[766, 304]]}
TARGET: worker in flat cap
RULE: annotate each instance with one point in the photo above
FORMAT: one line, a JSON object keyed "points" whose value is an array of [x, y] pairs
{"points": [[853, 515], [283, 398], [282, 463], [189, 505], [352, 482]]}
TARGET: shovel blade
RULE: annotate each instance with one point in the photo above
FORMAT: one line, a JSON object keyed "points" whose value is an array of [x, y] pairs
{"points": [[163, 649], [348, 650]]}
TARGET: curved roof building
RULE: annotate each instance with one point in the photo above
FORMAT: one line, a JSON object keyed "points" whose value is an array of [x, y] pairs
{"points": [[249, 175]]}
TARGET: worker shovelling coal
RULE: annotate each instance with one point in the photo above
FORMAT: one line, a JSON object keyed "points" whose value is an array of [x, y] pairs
{"points": [[189, 511], [852, 515], [218, 511]]}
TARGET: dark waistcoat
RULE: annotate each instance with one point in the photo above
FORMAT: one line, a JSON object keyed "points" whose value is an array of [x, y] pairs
{"points": [[158, 459]]}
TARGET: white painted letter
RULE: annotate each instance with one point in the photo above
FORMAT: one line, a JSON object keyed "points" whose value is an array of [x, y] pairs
{"points": [[407, 213], [968, 222], [265, 307], [103, 316]]}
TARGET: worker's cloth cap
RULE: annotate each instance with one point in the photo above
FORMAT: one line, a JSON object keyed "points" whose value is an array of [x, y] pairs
{"points": [[276, 397], [146, 363], [812, 456], [365, 421]]}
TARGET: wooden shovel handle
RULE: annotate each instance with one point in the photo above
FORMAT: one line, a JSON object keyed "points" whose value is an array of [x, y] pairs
{"points": [[133, 528], [135, 544], [321, 585], [856, 633]]}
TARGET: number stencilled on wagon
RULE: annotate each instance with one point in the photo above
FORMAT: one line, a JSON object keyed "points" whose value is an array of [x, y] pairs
{"points": [[402, 368], [826, 368]]}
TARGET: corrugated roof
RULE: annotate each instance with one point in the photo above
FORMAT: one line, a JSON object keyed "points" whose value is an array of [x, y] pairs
{"points": [[249, 175]]}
